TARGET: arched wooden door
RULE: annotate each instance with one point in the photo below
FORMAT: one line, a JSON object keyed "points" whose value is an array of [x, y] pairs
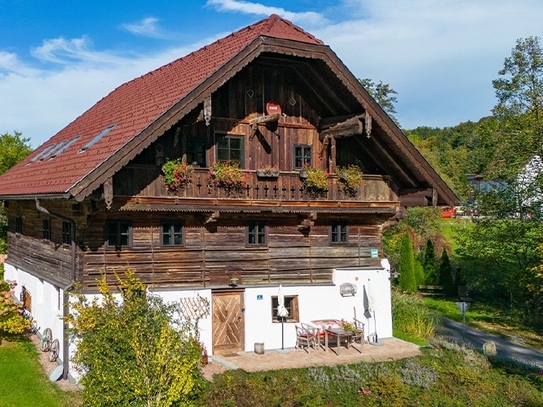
{"points": [[228, 322]]}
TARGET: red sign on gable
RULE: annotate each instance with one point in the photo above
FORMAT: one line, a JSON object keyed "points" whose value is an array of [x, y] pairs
{"points": [[273, 108]]}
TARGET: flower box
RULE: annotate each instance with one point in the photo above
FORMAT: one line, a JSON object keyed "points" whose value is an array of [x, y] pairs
{"points": [[267, 173]]}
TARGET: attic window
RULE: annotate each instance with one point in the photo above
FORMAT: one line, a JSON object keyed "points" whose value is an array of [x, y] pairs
{"points": [[98, 138]]}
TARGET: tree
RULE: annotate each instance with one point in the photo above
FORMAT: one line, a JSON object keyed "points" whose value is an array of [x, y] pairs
{"points": [[429, 264], [519, 91], [13, 148], [133, 350], [446, 279], [383, 94], [406, 267]]}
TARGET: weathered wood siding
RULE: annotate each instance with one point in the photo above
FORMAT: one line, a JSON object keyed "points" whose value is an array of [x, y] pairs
{"points": [[209, 252]]}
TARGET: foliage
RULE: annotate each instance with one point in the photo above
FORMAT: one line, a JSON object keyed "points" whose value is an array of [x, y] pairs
{"points": [[133, 350], [350, 178], [429, 264], [316, 183], [446, 277], [446, 374], [176, 175], [499, 252], [228, 175], [383, 94], [13, 149], [410, 316], [12, 321], [419, 272], [520, 88], [24, 383], [406, 267]]}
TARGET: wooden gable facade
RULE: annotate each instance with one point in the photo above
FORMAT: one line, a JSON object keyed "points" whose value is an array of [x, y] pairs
{"points": [[284, 102]]}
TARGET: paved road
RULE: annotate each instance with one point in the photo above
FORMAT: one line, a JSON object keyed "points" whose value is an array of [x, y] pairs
{"points": [[476, 338]]}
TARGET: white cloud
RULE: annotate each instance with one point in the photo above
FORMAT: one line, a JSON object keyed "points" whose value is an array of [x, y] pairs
{"points": [[76, 50], [146, 28], [246, 7], [40, 102]]}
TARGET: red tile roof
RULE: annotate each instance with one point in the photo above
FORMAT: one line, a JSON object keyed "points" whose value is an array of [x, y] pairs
{"points": [[132, 107]]}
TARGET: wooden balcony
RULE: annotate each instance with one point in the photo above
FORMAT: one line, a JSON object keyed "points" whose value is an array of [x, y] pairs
{"points": [[147, 182]]}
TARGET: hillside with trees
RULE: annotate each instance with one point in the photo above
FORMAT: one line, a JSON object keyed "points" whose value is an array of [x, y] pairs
{"points": [[499, 256]]}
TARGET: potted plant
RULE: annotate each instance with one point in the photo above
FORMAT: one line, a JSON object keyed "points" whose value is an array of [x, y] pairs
{"points": [[268, 172], [316, 183], [177, 175], [227, 174], [350, 178]]}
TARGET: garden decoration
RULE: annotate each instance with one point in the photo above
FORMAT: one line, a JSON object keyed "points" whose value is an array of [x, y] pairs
{"points": [[350, 178], [228, 175], [316, 183], [176, 175]]}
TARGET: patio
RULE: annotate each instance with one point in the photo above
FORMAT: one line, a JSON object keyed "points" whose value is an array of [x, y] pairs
{"points": [[390, 349]]}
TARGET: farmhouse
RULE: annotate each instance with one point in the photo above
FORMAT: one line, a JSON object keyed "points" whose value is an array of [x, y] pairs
{"points": [[255, 162]]}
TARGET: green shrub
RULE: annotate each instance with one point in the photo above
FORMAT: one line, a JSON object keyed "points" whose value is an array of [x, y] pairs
{"points": [[406, 267], [410, 316], [132, 351]]}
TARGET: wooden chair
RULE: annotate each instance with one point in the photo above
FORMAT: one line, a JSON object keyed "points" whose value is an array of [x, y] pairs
{"points": [[305, 336], [312, 334], [358, 334]]}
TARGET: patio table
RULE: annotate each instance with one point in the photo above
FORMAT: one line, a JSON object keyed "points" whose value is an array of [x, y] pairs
{"points": [[340, 334]]}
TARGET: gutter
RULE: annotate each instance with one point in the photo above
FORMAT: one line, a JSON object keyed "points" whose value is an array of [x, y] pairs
{"points": [[66, 306]]}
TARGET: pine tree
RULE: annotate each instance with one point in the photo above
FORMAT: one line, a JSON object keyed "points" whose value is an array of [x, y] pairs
{"points": [[406, 267], [430, 264], [445, 274]]}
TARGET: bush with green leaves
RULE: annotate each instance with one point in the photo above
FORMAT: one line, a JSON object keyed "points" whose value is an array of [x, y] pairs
{"points": [[132, 350], [406, 267], [411, 317], [12, 321]]}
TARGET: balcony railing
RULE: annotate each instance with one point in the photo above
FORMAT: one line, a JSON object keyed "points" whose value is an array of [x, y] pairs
{"points": [[287, 186]]}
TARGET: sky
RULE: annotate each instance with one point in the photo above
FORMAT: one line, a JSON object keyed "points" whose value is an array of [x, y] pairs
{"points": [[59, 57]]}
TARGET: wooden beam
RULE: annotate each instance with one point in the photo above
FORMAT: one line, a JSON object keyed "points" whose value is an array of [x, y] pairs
{"points": [[349, 127]]}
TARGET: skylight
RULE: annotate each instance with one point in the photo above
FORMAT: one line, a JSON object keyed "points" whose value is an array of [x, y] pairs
{"points": [[63, 148], [98, 137]]}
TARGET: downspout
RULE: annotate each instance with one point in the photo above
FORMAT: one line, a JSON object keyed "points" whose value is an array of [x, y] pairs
{"points": [[65, 297]]}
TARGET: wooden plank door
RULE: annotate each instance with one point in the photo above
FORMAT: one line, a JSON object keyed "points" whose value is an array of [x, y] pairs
{"points": [[228, 322]]}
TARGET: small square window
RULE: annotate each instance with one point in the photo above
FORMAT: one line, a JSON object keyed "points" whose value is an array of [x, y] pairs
{"points": [[302, 156], [291, 304], [46, 232], [119, 234], [230, 148], [172, 233], [66, 232], [339, 233], [256, 233]]}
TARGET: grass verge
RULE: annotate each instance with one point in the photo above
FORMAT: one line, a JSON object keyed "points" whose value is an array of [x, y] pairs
{"points": [[23, 382]]}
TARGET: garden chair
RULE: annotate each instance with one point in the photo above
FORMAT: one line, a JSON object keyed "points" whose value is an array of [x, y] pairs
{"points": [[304, 338]]}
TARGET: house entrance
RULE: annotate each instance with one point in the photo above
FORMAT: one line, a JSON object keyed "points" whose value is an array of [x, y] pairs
{"points": [[228, 322]]}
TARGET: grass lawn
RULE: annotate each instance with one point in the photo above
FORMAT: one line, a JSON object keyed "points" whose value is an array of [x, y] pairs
{"points": [[23, 382]]}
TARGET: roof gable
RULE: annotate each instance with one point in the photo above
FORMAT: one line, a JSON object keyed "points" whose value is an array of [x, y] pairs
{"points": [[131, 117], [129, 109]]}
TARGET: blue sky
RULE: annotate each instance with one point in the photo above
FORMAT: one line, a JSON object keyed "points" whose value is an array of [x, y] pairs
{"points": [[58, 58]]}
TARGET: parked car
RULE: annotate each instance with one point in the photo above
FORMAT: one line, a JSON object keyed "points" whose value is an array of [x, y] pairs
{"points": [[448, 212]]}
